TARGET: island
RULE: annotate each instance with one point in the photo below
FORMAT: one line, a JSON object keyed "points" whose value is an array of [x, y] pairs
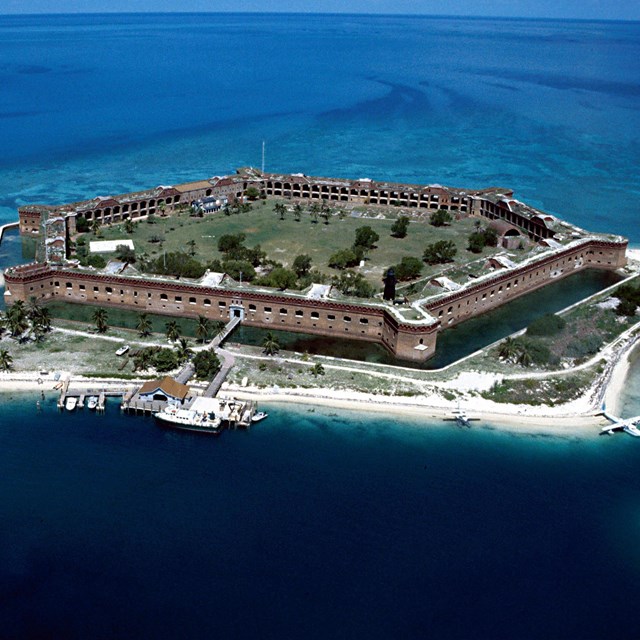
{"points": [[389, 264]]}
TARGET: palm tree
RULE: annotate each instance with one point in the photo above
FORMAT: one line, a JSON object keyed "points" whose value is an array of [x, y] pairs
{"points": [[142, 359], [183, 350], [3, 322], [508, 349], [317, 370], [100, 317], [203, 329], [33, 307], [95, 226], [270, 344], [144, 324], [17, 318], [280, 209], [297, 212], [524, 356], [129, 227], [192, 247], [6, 361], [325, 212], [314, 209], [172, 331]]}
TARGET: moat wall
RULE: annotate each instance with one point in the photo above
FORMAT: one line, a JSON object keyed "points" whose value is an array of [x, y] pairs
{"points": [[373, 323]]}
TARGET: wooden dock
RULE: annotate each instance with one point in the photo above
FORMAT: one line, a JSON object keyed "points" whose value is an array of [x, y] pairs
{"points": [[83, 394]]}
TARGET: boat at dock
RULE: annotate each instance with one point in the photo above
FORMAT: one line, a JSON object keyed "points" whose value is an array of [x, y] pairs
{"points": [[190, 420], [71, 403], [92, 403], [258, 416]]}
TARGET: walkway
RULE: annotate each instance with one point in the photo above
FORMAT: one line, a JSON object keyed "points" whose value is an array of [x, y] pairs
{"points": [[224, 334], [228, 360]]}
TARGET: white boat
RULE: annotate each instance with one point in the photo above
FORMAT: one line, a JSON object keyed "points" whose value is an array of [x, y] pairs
{"points": [[92, 402], [201, 421], [122, 350], [71, 403], [259, 415]]}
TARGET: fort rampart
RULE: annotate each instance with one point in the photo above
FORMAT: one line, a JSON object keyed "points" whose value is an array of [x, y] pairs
{"points": [[376, 322]]}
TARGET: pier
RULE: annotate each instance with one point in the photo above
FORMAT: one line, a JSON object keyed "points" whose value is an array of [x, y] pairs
{"points": [[83, 393]]}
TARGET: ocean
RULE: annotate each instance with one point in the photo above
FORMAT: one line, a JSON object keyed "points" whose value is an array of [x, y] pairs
{"points": [[318, 523]]}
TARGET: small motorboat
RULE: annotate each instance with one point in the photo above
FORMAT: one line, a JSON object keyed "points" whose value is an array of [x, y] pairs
{"points": [[122, 350], [71, 403], [92, 403], [258, 416]]}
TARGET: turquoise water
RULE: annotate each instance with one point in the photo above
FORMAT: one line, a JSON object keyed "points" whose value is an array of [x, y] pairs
{"points": [[318, 524]]}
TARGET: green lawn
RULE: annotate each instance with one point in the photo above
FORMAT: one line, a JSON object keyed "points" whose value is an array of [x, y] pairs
{"points": [[284, 239]]}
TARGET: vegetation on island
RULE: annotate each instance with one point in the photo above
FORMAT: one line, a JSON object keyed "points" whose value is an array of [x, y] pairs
{"points": [[243, 242]]}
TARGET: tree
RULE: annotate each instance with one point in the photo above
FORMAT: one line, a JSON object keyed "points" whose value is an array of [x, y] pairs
{"points": [[192, 247], [282, 278], [100, 317], [366, 238], [230, 242], [508, 349], [82, 224], [125, 253], [165, 360], [626, 307], [6, 360], [440, 252], [95, 226], [16, 319], [408, 269], [144, 324], [270, 344], [325, 213], [313, 210], [440, 218], [353, 284], [142, 359], [183, 350], [203, 329], [280, 209], [172, 331], [476, 242], [399, 227], [234, 268], [297, 212], [128, 226], [301, 265], [206, 364], [343, 259], [317, 370], [252, 193]]}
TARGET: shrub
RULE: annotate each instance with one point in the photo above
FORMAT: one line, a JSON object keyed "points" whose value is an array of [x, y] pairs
{"points": [[440, 218]]}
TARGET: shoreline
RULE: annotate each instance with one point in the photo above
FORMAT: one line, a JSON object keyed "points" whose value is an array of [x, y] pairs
{"points": [[581, 417]]}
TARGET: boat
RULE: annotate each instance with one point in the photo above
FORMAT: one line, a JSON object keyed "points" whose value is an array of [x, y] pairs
{"points": [[71, 403], [258, 416], [92, 402], [122, 350], [189, 420]]}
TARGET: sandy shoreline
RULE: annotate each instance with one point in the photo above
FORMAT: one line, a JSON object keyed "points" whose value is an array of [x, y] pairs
{"points": [[580, 417]]}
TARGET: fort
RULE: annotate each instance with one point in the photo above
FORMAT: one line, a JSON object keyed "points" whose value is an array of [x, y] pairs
{"points": [[409, 331]]}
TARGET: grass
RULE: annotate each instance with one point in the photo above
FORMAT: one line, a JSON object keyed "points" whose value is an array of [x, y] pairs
{"points": [[284, 239], [549, 392]]}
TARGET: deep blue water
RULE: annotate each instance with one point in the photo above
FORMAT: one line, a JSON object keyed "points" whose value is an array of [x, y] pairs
{"points": [[317, 525]]}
